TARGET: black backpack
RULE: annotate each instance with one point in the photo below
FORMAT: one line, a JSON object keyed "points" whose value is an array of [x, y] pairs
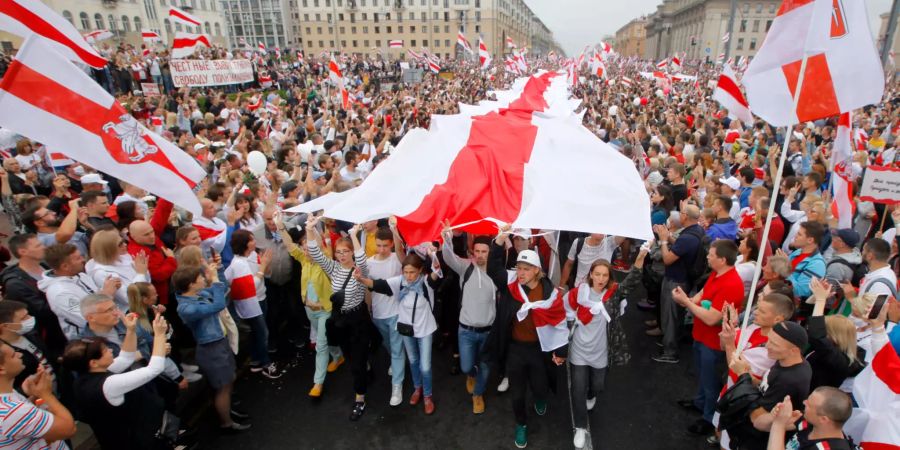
{"points": [[699, 268], [579, 244], [859, 270]]}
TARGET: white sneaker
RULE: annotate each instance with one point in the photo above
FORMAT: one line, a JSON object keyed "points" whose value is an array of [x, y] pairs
{"points": [[504, 385], [579, 437], [190, 368], [396, 394], [591, 402], [390, 371], [192, 377]]}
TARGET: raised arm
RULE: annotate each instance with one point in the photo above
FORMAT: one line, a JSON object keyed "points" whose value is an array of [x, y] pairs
{"points": [[399, 248]]}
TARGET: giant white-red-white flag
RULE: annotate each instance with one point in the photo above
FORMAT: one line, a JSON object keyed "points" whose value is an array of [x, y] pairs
{"points": [[484, 57], [728, 94], [842, 182], [25, 18], [875, 424], [180, 15], [48, 99], [842, 73], [337, 76], [185, 44], [500, 160]]}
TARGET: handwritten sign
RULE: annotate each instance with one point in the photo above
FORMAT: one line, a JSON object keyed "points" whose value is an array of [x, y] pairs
{"points": [[881, 185], [150, 89], [198, 72]]}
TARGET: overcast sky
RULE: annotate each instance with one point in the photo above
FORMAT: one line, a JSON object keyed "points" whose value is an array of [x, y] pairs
{"points": [[576, 23]]}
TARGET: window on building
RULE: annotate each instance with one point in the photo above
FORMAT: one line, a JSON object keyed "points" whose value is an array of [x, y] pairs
{"points": [[400, 28], [446, 28], [113, 24], [328, 17], [352, 18], [743, 27], [218, 28], [437, 43], [137, 23], [327, 3], [354, 44], [768, 25], [424, 17], [436, 16], [68, 16], [362, 3], [366, 30], [740, 44], [387, 16], [330, 44], [341, 17], [98, 21], [759, 7], [366, 43], [478, 28], [341, 30], [177, 26], [365, 17], [746, 8], [374, 2], [352, 30], [772, 7], [340, 3], [378, 42], [319, 30], [305, 5], [446, 42], [321, 44], [753, 44], [316, 3], [375, 17], [412, 28], [478, 16], [412, 42], [478, 3], [446, 16], [330, 30], [388, 29], [436, 29], [412, 16], [126, 24], [422, 3], [755, 26], [318, 17], [377, 30], [308, 30]]}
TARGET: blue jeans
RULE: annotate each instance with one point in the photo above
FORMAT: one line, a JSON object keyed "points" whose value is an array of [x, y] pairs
{"points": [[317, 322], [470, 345], [393, 343], [419, 352], [259, 340], [706, 361]]}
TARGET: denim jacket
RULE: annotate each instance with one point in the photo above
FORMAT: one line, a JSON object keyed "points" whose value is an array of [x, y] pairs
{"points": [[144, 340], [201, 313]]}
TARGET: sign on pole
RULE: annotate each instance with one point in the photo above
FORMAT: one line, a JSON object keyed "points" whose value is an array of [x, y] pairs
{"points": [[881, 185]]}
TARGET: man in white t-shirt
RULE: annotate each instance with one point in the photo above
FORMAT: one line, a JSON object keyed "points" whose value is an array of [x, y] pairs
{"points": [[351, 173], [595, 246], [881, 278], [232, 117], [385, 309]]}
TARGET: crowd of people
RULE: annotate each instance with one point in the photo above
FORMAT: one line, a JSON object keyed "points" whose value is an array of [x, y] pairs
{"points": [[115, 301]]}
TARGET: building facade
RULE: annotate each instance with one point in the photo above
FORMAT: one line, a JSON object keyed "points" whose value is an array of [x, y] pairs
{"points": [[368, 26], [631, 38], [260, 21], [882, 36], [696, 27], [126, 18]]}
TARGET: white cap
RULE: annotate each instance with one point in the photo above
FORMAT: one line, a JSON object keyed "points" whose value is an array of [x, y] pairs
{"points": [[92, 178], [529, 257], [198, 146], [732, 182]]}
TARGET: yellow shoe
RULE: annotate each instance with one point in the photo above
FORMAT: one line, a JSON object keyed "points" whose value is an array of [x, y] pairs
{"points": [[470, 384], [477, 404], [316, 391], [332, 366]]}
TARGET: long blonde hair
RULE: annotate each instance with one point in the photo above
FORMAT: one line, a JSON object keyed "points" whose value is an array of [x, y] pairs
{"points": [[136, 294], [105, 246], [842, 332], [190, 255]]}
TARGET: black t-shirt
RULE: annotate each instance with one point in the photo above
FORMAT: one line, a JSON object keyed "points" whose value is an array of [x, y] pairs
{"points": [[679, 193], [686, 247], [801, 440], [781, 381]]}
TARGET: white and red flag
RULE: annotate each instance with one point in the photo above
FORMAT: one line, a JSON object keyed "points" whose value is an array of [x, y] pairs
{"points": [[213, 233], [242, 42], [180, 15], [337, 76], [842, 183], [842, 72], [484, 57], [26, 18], [726, 37], [461, 40], [255, 103], [510, 43], [433, 66], [500, 161], [48, 99], [597, 66], [97, 35], [413, 54], [145, 52], [720, 59], [243, 286], [150, 36], [185, 44], [728, 94], [395, 43], [875, 424], [627, 81], [676, 64], [662, 65], [261, 47]]}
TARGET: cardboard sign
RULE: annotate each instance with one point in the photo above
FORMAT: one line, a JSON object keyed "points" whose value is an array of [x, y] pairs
{"points": [[881, 185], [198, 72], [150, 89]]}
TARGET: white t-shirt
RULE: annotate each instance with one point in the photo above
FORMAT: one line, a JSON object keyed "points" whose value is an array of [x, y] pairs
{"points": [[868, 285], [347, 175], [590, 253], [384, 306]]}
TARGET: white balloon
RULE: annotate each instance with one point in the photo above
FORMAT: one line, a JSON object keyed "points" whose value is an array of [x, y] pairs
{"points": [[256, 160], [659, 93], [637, 101]]}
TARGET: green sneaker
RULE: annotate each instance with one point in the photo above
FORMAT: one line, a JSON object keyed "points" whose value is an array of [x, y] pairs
{"points": [[521, 436], [540, 408]]}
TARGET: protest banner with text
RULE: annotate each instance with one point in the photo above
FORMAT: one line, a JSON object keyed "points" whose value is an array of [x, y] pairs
{"points": [[198, 72], [881, 185]]}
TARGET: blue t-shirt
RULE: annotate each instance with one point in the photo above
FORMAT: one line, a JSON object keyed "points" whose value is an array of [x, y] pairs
{"points": [[685, 247]]}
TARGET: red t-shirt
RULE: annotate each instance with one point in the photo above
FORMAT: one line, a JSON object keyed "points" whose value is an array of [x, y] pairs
{"points": [[719, 289]]}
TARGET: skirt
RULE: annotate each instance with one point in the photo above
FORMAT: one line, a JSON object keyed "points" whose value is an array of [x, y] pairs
{"points": [[216, 362]]}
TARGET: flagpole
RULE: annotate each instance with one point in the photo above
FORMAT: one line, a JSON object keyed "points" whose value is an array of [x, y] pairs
{"points": [[757, 269]]}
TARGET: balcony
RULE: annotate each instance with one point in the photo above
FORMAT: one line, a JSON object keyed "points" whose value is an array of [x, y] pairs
{"points": [[398, 5], [352, 5]]}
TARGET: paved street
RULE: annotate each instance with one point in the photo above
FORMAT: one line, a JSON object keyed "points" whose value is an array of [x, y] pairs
{"points": [[637, 411]]}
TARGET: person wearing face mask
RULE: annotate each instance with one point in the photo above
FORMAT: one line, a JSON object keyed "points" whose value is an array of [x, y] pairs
{"points": [[16, 327]]}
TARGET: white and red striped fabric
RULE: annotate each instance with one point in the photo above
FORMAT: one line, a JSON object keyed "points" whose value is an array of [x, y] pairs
{"points": [[97, 36], [548, 315], [213, 233], [242, 42], [255, 103], [25, 18], [245, 289], [6, 153], [842, 183], [728, 94], [843, 71], [271, 108], [662, 65], [484, 57], [57, 159], [720, 59], [875, 424], [265, 80], [50, 100], [145, 52], [461, 40], [337, 76], [150, 36], [395, 43], [597, 66], [676, 64], [412, 54], [180, 15], [726, 37], [433, 66], [627, 81], [185, 44], [261, 47], [500, 160], [300, 57], [510, 43]]}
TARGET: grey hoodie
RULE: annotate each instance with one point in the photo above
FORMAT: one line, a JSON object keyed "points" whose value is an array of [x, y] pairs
{"points": [[64, 295], [840, 271]]}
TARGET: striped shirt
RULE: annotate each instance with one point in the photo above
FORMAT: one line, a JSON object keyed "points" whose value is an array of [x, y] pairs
{"points": [[355, 293], [23, 425]]}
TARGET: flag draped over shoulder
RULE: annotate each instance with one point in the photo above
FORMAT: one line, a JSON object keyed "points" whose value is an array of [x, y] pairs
{"points": [[500, 160]]}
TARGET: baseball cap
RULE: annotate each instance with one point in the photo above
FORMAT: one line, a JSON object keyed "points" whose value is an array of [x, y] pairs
{"points": [[732, 182], [793, 333], [93, 178], [848, 235], [529, 257], [199, 146]]}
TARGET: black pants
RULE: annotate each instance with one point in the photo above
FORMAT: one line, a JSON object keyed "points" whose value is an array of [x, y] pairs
{"points": [[358, 339], [279, 313], [587, 382], [525, 366]]}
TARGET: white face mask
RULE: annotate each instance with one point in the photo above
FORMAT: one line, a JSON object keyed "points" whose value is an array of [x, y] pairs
{"points": [[79, 171], [27, 326]]}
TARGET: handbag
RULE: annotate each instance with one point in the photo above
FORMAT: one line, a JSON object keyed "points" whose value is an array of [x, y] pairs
{"points": [[338, 297], [406, 329], [338, 320]]}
